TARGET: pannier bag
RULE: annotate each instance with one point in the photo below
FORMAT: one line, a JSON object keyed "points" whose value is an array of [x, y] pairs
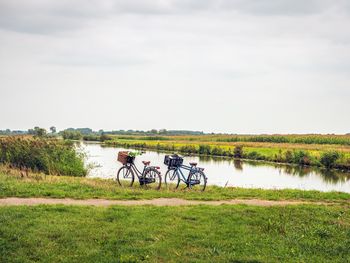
{"points": [[173, 160], [124, 158]]}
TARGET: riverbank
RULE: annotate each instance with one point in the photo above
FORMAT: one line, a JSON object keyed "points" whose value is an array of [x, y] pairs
{"points": [[307, 154], [14, 184]]}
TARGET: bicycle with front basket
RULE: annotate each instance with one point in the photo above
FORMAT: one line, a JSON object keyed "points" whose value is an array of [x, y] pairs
{"points": [[150, 176], [195, 179]]}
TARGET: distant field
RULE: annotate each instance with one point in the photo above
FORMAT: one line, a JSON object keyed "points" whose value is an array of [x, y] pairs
{"points": [[293, 139], [296, 149]]}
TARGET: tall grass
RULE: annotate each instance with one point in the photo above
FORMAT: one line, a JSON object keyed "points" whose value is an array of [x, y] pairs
{"points": [[45, 155]]}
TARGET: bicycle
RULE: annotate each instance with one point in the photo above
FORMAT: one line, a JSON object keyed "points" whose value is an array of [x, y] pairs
{"points": [[196, 179], [150, 177]]}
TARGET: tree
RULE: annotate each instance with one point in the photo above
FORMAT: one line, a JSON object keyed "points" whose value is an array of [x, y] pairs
{"points": [[53, 129], [39, 132]]}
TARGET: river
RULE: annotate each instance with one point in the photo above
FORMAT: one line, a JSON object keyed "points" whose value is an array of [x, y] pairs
{"points": [[223, 171]]}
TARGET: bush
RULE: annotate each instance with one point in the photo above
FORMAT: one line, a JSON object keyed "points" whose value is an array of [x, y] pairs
{"points": [[288, 156], [301, 157], [329, 158], [44, 155], [204, 149], [238, 151]]}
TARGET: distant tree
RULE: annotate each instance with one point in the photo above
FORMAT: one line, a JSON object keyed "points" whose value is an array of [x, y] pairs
{"points": [[53, 129], [39, 132], [162, 131], [154, 131], [71, 135]]}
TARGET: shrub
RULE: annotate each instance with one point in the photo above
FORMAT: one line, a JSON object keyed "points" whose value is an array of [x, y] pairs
{"points": [[45, 155], [301, 157], [204, 149], [288, 156], [238, 151], [329, 158], [217, 151]]}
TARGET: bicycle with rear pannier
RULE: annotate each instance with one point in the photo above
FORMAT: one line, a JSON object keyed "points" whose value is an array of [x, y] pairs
{"points": [[149, 177], [192, 176]]}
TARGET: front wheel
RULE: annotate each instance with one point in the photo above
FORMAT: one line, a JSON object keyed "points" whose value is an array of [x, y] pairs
{"points": [[197, 181], [151, 179], [172, 179], [125, 177]]}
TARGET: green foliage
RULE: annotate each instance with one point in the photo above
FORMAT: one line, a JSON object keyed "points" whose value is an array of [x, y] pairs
{"points": [[329, 158], [301, 157], [71, 135], [46, 155], [238, 151], [204, 149], [38, 132]]}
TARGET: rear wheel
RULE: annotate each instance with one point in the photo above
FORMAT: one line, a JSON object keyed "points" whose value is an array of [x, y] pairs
{"points": [[151, 179], [125, 177], [197, 181], [172, 179]]}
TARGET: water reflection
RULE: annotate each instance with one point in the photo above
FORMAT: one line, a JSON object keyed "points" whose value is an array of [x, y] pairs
{"points": [[224, 171], [330, 176]]}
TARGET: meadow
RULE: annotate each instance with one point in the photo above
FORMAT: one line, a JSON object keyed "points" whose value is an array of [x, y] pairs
{"points": [[174, 234], [330, 151]]}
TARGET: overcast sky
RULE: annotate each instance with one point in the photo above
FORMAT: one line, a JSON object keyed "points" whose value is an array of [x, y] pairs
{"points": [[237, 66]]}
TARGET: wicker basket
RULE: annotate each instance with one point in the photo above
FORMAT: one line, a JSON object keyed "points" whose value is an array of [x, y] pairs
{"points": [[124, 157]]}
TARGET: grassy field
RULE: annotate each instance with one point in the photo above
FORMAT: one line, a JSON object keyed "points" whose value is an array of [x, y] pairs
{"points": [[174, 234], [12, 184], [303, 150]]}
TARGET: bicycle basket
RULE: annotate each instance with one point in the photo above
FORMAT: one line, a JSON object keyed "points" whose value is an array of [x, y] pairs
{"points": [[124, 158], [173, 160]]}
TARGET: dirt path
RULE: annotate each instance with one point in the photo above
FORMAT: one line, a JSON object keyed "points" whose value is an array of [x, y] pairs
{"points": [[14, 201]]}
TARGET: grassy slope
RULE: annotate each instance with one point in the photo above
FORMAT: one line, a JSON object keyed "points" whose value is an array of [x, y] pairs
{"points": [[37, 185], [174, 234]]}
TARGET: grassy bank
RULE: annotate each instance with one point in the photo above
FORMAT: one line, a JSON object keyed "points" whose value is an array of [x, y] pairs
{"points": [[174, 234], [277, 138], [321, 155], [46, 155], [12, 184]]}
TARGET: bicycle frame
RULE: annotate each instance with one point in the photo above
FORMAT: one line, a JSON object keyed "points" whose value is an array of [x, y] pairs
{"points": [[191, 170], [136, 171]]}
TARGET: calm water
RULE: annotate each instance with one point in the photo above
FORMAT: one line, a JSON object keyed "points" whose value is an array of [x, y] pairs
{"points": [[225, 171]]}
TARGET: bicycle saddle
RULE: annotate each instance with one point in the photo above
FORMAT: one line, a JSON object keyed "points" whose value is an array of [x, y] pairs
{"points": [[146, 162], [193, 164]]}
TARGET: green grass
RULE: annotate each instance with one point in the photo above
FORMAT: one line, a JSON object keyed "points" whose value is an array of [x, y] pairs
{"points": [[38, 185], [174, 234]]}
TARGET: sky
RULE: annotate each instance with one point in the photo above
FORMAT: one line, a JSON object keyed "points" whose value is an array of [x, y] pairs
{"points": [[234, 66]]}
